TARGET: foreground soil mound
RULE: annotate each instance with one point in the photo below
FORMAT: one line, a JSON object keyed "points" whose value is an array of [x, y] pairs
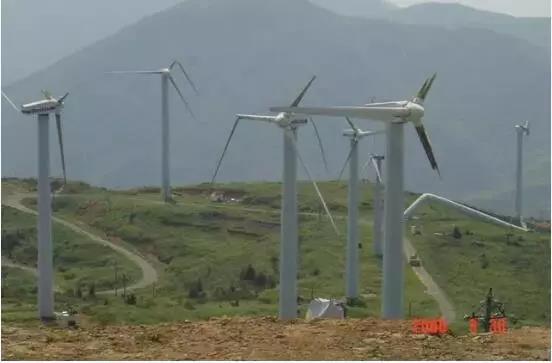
{"points": [[267, 339]]}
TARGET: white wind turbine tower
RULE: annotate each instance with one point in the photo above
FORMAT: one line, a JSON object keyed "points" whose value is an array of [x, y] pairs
{"points": [[377, 204], [395, 115], [166, 77], [289, 123], [43, 109], [520, 130], [352, 264]]}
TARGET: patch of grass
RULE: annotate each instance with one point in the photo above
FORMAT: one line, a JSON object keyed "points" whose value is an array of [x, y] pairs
{"points": [[515, 264], [213, 242], [203, 247]]}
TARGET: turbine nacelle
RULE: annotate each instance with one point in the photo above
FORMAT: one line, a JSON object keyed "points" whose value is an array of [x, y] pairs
{"points": [[166, 72], [288, 119], [45, 107], [416, 112], [48, 105], [523, 128]]}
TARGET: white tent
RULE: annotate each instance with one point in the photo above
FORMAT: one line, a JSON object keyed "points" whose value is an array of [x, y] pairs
{"points": [[326, 309]]}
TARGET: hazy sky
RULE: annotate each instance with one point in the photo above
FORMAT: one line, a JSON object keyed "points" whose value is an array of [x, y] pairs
{"points": [[512, 7]]}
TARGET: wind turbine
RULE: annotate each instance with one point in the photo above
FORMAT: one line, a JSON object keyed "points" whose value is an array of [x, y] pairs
{"points": [[166, 77], [43, 109], [352, 270], [520, 130], [395, 115], [289, 123]]}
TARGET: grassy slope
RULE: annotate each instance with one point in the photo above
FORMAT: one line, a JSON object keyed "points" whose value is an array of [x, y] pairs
{"points": [[198, 239], [518, 271], [77, 261]]}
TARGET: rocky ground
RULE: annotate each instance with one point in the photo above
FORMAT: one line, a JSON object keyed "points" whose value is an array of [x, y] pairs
{"points": [[267, 339]]}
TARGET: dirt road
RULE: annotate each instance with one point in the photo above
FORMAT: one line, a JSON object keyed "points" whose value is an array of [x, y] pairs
{"points": [[432, 289], [149, 274]]}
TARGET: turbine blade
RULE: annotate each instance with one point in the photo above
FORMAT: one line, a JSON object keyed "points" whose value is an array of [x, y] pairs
{"points": [[422, 90], [294, 143], [426, 87], [60, 140], [63, 98], [134, 72], [264, 118], [378, 172], [385, 114], [225, 148], [320, 145], [181, 96], [345, 164], [185, 75], [424, 139], [387, 104], [302, 94], [355, 129], [10, 102]]}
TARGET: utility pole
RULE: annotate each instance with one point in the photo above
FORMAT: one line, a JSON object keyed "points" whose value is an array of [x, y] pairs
{"points": [[116, 281]]}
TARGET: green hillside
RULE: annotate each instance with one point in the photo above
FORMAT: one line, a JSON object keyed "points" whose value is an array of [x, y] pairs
{"points": [[221, 258], [515, 264]]}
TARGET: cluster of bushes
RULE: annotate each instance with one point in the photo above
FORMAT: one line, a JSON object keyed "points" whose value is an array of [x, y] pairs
{"points": [[10, 241], [259, 280], [78, 291], [195, 290]]}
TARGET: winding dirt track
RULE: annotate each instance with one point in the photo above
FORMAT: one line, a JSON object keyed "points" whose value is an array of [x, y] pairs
{"points": [[8, 263], [149, 274]]}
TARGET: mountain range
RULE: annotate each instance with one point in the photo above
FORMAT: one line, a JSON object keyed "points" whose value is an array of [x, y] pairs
{"points": [[246, 56]]}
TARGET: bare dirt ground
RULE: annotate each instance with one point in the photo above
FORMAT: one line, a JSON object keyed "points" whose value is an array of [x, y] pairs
{"points": [[267, 339]]}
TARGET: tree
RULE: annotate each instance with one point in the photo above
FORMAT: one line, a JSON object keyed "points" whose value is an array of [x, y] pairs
{"points": [[196, 290], [248, 274], [130, 299], [92, 289], [78, 292], [456, 233]]}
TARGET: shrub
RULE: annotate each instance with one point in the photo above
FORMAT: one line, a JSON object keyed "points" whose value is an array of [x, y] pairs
{"points": [[92, 290], [248, 274], [484, 261], [130, 299], [78, 292], [456, 233], [195, 291], [274, 263], [260, 280]]}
